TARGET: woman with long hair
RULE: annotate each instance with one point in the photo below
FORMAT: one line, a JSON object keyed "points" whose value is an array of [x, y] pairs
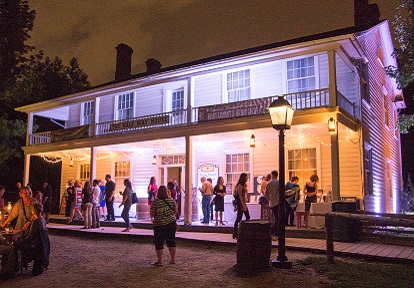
{"points": [[127, 202], [22, 210], [240, 194], [152, 190], [87, 205], [164, 209], [310, 190], [219, 192]]}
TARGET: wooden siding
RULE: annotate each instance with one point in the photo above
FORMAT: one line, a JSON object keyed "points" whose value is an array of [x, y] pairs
{"points": [[74, 115], [149, 100], [347, 82], [323, 72], [208, 90], [381, 138], [267, 79], [106, 108], [350, 164]]}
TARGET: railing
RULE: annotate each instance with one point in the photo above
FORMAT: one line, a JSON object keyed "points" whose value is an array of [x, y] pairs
{"points": [[40, 138], [299, 101]]}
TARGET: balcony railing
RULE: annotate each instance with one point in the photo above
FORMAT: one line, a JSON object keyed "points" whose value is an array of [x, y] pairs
{"points": [[299, 101]]}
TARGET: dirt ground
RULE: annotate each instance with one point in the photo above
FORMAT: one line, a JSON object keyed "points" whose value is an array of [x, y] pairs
{"points": [[108, 262]]}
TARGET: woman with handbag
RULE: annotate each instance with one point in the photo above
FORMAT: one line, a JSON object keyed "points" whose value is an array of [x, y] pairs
{"points": [[127, 202], [240, 194], [163, 210]]}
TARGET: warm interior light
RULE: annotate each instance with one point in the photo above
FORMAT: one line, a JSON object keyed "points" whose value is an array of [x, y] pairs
{"points": [[71, 162], [252, 141], [9, 207], [154, 160], [331, 125], [281, 113]]}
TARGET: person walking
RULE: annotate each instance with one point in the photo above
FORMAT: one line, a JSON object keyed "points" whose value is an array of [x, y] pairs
{"points": [[109, 198], [240, 194], [47, 201], [127, 202], [163, 210], [310, 190], [272, 195]]}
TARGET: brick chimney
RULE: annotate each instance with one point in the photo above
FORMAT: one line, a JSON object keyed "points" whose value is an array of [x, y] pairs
{"points": [[365, 13], [153, 66], [123, 62]]}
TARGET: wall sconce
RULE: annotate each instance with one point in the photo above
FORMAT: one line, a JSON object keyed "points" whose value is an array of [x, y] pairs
{"points": [[154, 160], [332, 124], [252, 141], [71, 162]]}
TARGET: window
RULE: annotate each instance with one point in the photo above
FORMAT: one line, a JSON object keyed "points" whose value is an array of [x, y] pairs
{"points": [[177, 100], [235, 165], [368, 179], [362, 69], [85, 173], [122, 172], [301, 75], [302, 163], [238, 86], [87, 112], [173, 160], [125, 106]]}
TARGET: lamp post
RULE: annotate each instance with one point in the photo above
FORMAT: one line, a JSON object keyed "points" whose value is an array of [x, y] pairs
{"points": [[281, 114]]}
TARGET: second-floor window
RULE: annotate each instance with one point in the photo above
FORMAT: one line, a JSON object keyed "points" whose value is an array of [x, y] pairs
{"points": [[177, 100], [125, 107], [362, 69], [87, 112], [301, 75], [238, 85]]}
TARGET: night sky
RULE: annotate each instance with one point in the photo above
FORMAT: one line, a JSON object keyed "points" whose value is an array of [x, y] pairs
{"points": [[179, 31]]}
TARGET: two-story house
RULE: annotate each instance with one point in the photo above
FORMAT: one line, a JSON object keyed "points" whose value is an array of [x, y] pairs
{"points": [[198, 118]]}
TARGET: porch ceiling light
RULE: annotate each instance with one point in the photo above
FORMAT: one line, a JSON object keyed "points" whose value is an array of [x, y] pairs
{"points": [[332, 124], [154, 160], [281, 113], [71, 162], [252, 141]]}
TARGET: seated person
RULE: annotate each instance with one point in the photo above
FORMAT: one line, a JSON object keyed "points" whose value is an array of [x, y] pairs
{"points": [[6, 252], [36, 245]]}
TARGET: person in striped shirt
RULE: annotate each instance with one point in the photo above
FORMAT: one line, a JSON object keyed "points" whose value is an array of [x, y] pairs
{"points": [[163, 211]]}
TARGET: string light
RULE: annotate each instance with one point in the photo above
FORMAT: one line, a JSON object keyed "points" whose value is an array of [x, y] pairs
{"points": [[52, 160]]}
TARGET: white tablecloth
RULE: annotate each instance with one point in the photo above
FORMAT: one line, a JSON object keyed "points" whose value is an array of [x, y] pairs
{"points": [[316, 222]]}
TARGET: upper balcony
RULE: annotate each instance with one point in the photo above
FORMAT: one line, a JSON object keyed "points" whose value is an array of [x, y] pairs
{"points": [[249, 108]]}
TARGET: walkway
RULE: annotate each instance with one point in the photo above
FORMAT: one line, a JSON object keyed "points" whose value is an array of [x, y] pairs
{"points": [[366, 250]]}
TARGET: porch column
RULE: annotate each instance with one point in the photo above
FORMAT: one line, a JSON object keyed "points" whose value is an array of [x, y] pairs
{"points": [[93, 164], [332, 78], [336, 194], [188, 180], [29, 129], [95, 116], [26, 169], [190, 93]]}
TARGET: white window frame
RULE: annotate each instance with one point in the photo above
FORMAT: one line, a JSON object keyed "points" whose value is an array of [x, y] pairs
{"points": [[117, 111], [304, 178], [316, 72], [119, 179], [89, 108], [84, 172], [237, 173], [225, 86]]}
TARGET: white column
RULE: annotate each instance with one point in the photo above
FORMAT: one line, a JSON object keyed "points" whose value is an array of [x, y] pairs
{"points": [[332, 78], [29, 129], [188, 180], [190, 93], [93, 164], [95, 117], [26, 169], [336, 194]]}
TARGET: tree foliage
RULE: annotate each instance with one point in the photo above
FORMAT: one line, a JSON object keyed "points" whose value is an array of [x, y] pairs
{"points": [[407, 197], [404, 30]]}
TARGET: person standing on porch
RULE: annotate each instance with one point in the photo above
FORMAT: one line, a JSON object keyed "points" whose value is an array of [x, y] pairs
{"points": [[219, 192], [272, 195], [310, 190], [127, 202], [47, 201], [152, 190], [292, 198], [240, 191], [207, 192], [87, 205], [96, 191], [109, 197]]}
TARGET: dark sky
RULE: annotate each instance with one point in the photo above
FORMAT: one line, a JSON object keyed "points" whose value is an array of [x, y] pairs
{"points": [[177, 31]]}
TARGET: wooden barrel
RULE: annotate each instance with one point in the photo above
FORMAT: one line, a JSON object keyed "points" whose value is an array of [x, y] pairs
{"points": [[254, 245], [143, 209]]}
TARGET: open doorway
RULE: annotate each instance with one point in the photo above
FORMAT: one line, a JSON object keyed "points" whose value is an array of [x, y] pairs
{"points": [[176, 172]]}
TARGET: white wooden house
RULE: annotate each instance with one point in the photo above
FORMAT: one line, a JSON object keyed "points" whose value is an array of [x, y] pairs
{"points": [[198, 117]]}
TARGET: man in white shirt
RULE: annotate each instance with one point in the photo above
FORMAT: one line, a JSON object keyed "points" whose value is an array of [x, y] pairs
{"points": [[272, 195], [96, 191], [207, 192]]}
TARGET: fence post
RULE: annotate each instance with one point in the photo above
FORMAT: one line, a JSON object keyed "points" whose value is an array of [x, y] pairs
{"points": [[329, 237]]}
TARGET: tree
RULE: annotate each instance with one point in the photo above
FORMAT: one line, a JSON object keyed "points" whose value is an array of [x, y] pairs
{"points": [[407, 197], [404, 73]]}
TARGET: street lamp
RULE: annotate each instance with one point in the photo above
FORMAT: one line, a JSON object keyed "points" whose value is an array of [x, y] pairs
{"points": [[281, 114]]}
